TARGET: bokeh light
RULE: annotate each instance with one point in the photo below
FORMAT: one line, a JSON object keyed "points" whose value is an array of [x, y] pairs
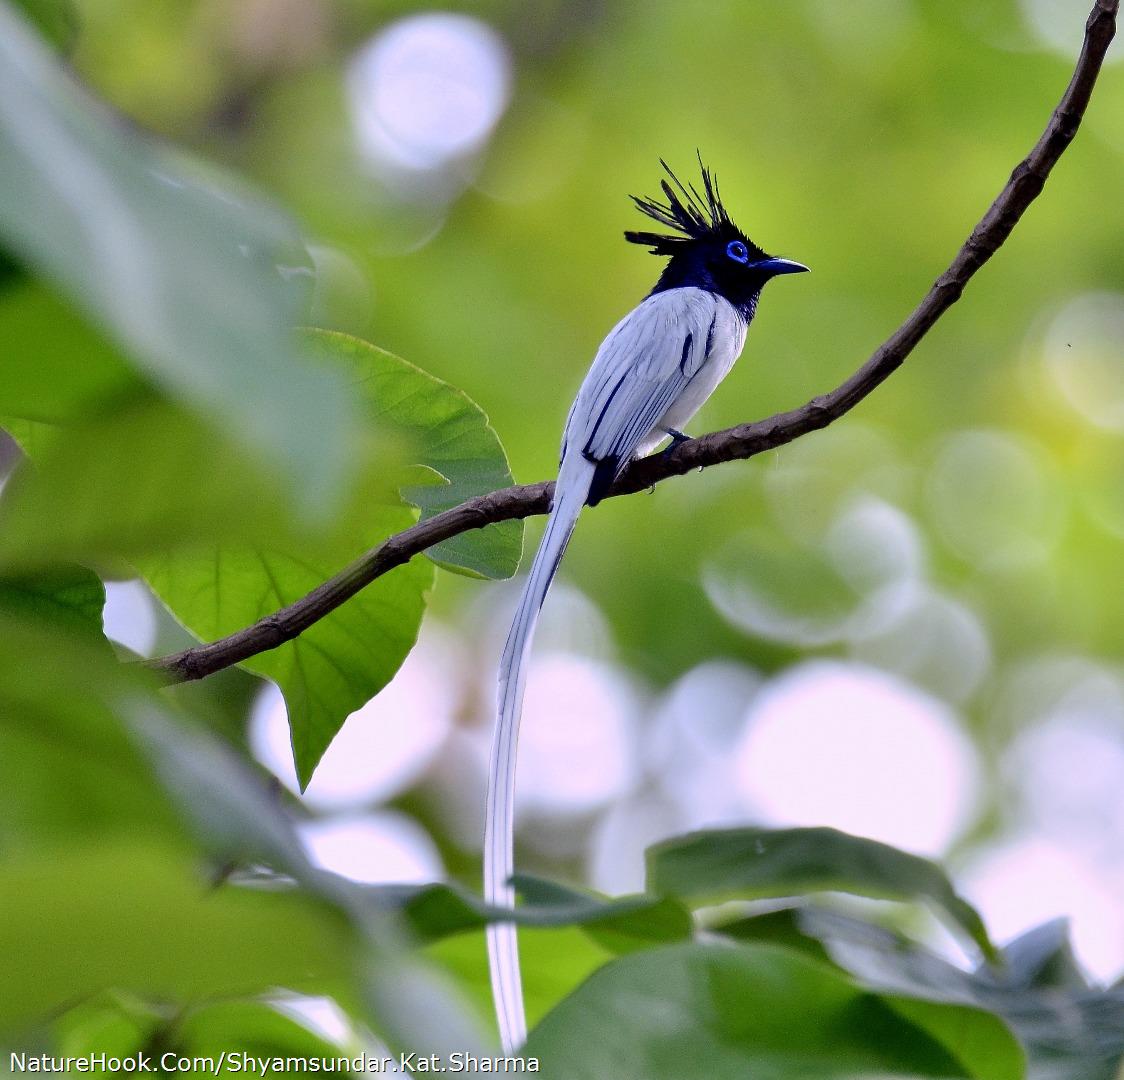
{"points": [[129, 616], [819, 594], [992, 500], [1065, 768], [838, 744], [577, 744], [1102, 496], [383, 747], [427, 90], [701, 715], [928, 638], [616, 852], [689, 741], [1028, 880], [1040, 688], [1064, 773], [1054, 24], [376, 849], [811, 480], [873, 544], [1083, 351], [1069, 775]]}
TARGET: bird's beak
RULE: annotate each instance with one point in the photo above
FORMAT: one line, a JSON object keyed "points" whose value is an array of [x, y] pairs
{"points": [[780, 266]]}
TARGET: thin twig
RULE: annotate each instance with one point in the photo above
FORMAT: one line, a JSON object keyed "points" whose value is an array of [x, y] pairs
{"points": [[736, 443]]}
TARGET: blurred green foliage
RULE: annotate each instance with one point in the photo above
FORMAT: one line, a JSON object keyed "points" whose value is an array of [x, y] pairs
{"points": [[153, 892]]}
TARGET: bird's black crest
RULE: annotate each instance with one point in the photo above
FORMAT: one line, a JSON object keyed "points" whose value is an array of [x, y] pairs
{"points": [[693, 214]]}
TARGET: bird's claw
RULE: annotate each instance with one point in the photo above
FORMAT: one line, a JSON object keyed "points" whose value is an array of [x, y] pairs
{"points": [[677, 439]]}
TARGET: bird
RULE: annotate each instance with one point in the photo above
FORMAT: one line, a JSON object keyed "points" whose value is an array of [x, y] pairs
{"points": [[650, 376]]}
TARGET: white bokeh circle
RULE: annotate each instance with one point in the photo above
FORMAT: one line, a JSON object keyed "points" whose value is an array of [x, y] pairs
{"points": [[845, 745]]}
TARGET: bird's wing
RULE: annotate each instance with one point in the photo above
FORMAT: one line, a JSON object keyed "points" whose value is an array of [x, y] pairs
{"points": [[641, 369]]}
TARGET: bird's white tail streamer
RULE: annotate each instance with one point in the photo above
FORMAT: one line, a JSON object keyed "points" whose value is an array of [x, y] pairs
{"points": [[570, 493]]}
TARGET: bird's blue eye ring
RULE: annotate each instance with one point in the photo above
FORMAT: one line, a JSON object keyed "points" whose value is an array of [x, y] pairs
{"points": [[737, 251]]}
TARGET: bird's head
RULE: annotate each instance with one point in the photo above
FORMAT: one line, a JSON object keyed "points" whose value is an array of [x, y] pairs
{"points": [[707, 250]]}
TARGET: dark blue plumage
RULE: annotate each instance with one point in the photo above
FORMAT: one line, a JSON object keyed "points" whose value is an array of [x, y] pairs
{"points": [[707, 251]]}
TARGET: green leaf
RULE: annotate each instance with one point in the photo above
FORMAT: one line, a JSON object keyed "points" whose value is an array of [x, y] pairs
{"points": [[55, 363], [140, 478], [56, 20], [252, 1027], [435, 911], [449, 434], [1042, 958], [69, 772], [111, 1023], [130, 914], [750, 863], [620, 924], [343, 660], [92, 848], [721, 1013], [198, 282], [228, 807], [1070, 1031], [33, 437], [337, 664], [69, 599], [886, 960], [979, 1040], [554, 961], [781, 926], [238, 819]]}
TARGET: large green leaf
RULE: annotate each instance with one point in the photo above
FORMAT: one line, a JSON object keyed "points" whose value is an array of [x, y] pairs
{"points": [[346, 658], [449, 434], [751, 863], [716, 1012], [237, 818], [55, 363], [98, 885], [129, 914], [138, 478], [337, 664], [68, 771], [100, 888], [199, 282], [228, 807]]}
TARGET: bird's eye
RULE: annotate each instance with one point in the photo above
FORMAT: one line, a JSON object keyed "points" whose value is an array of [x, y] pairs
{"points": [[737, 251]]}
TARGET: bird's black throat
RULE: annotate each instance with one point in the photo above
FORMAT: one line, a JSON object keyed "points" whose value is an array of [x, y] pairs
{"points": [[702, 267]]}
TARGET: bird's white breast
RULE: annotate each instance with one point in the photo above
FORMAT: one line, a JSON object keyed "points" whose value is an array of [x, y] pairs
{"points": [[654, 370], [726, 342]]}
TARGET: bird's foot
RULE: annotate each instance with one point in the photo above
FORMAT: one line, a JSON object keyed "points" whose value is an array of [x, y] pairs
{"points": [[677, 439]]}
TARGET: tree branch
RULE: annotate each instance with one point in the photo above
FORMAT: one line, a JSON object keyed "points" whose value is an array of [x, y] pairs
{"points": [[737, 443]]}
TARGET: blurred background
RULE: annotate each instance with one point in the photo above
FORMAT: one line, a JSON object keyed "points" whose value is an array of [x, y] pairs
{"points": [[908, 626]]}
